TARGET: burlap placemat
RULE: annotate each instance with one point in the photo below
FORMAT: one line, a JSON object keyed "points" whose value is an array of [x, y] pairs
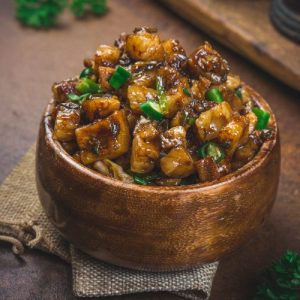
{"points": [[23, 222]]}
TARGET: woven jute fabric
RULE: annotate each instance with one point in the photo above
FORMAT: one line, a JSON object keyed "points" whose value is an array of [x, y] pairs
{"points": [[23, 222]]}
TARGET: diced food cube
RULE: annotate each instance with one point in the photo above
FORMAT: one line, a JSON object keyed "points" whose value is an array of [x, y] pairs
{"points": [[100, 107], [177, 163], [212, 121], [67, 120], [106, 138]]}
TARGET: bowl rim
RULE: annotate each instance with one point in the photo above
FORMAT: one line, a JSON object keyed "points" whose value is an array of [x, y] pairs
{"points": [[258, 160]]}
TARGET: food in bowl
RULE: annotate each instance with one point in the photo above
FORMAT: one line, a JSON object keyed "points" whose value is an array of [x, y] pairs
{"points": [[145, 112]]}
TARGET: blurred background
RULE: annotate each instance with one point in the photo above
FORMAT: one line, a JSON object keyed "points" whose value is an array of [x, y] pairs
{"points": [[259, 38]]}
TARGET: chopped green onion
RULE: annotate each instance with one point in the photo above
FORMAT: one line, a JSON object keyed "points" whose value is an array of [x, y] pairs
{"points": [[86, 73], [145, 179], [187, 92], [159, 86], [191, 121], [163, 103], [78, 99], [86, 85], [139, 180], [119, 77], [162, 99], [238, 92], [215, 95], [211, 149], [152, 110], [262, 118]]}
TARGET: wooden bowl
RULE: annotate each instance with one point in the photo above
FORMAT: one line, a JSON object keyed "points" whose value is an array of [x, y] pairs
{"points": [[150, 227]]}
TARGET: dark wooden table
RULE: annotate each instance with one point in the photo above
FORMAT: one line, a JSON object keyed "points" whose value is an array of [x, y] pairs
{"points": [[31, 60]]}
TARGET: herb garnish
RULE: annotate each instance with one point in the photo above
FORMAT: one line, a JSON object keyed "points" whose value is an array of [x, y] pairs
{"points": [[78, 99], [281, 281]]}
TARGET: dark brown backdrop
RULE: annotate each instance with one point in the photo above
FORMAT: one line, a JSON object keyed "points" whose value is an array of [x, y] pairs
{"points": [[31, 60]]}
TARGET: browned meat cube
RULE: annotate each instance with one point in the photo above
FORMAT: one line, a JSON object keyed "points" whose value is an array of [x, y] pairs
{"points": [[176, 101], [200, 87], [137, 95], [146, 129], [67, 120], [146, 79], [145, 46], [232, 134], [207, 169], [233, 82], [107, 56], [145, 147], [104, 75], [175, 54], [174, 137], [247, 151], [212, 121], [96, 108], [106, 138], [177, 163], [207, 62], [62, 89], [143, 155]]}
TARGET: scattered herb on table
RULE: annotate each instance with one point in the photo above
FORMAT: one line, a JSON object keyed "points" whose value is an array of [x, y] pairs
{"points": [[44, 14], [39, 13], [281, 281], [78, 7]]}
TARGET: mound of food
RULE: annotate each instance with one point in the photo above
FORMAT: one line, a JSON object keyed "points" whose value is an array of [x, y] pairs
{"points": [[144, 111]]}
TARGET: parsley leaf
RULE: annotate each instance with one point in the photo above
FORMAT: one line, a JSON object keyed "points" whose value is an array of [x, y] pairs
{"points": [[39, 13], [78, 7], [44, 13], [281, 281]]}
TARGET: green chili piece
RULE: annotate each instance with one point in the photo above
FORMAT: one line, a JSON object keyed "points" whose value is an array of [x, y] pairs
{"points": [[262, 118], [159, 86], [87, 85], [187, 92], [162, 99], [238, 92], [211, 149], [215, 95], [139, 180], [86, 73], [119, 77], [191, 121], [152, 110], [163, 103], [78, 99]]}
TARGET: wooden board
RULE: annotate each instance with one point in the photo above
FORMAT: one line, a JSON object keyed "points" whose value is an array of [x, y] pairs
{"points": [[245, 27]]}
